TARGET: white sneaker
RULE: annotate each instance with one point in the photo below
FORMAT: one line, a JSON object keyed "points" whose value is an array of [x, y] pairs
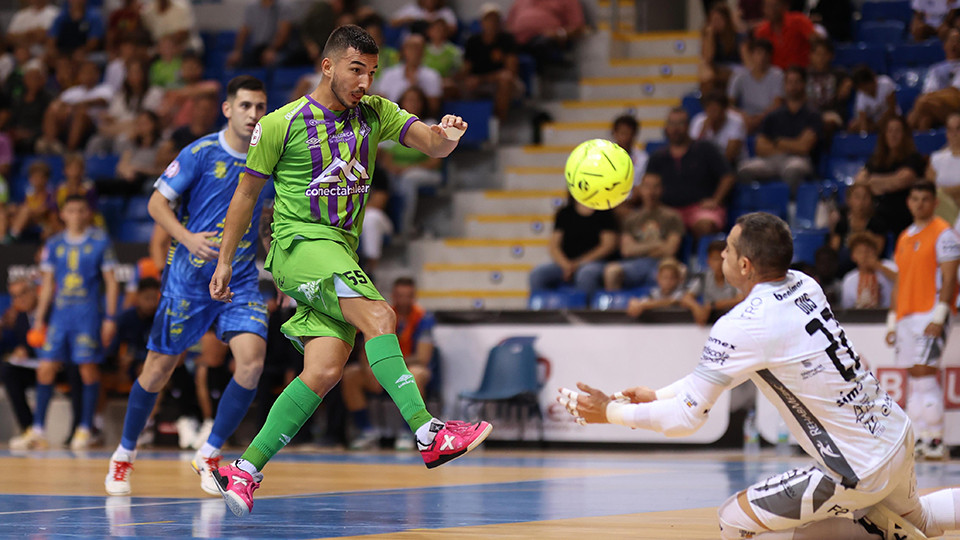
{"points": [[881, 520], [204, 466], [202, 434], [186, 431], [29, 440], [404, 443], [935, 450], [367, 440], [82, 439], [117, 481]]}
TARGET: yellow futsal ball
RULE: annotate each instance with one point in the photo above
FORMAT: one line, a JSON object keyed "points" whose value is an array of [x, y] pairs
{"points": [[599, 174]]}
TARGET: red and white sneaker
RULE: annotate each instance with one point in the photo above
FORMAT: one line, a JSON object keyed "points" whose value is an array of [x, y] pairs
{"points": [[117, 481], [237, 487], [204, 466], [452, 440]]}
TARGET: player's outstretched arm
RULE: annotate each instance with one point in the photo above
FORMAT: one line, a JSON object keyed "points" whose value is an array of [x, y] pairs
{"points": [[239, 218], [438, 140]]}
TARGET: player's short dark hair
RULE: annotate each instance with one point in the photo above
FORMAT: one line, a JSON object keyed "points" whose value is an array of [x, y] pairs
{"points": [[925, 186], [760, 43], [148, 284], [821, 43], [626, 120], [715, 246], [350, 36], [798, 70], [765, 239], [244, 82], [404, 281], [76, 197], [862, 74], [715, 97]]}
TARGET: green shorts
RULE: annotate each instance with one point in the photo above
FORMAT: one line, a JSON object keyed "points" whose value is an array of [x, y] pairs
{"points": [[308, 272]]}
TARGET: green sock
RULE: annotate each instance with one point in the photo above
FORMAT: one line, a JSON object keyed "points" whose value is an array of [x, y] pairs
{"points": [[391, 372], [293, 407]]}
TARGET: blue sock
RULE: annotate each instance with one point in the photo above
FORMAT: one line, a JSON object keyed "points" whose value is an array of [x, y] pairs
{"points": [[234, 404], [44, 393], [139, 407], [91, 393], [361, 419]]}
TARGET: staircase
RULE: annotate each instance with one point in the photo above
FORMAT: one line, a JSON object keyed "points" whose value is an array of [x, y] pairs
{"points": [[499, 235]]}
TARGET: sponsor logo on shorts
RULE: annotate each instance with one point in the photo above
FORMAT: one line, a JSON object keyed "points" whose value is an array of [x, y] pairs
{"points": [[310, 291], [404, 380]]}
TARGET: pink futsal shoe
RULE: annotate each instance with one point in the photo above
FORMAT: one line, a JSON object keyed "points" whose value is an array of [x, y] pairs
{"points": [[237, 487], [452, 440]]}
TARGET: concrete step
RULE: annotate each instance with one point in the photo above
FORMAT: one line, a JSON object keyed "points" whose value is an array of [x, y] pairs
{"points": [[537, 177], [574, 133], [675, 86], [435, 300], [625, 15], [644, 110], [532, 155], [642, 67], [507, 202], [655, 45], [479, 277], [508, 226], [479, 251]]}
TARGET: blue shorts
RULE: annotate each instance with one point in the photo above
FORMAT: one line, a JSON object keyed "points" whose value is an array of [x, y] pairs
{"points": [[180, 322], [73, 337]]}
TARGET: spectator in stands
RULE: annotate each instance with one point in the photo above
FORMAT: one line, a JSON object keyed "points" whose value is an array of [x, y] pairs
{"points": [[695, 176], [787, 138], [758, 91], [267, 37], [18, 360], [940, 97], [624, 132], [929, 17], [415, 334], [944, 168], [177, 109], [668, 292], [722, 48], [582, 242], [789, 32], [409, 168], [133, 330], [490, 64], [36, 217], [876, 100], [443, 57], [29, 26], [124, 25], [124, 52], [75, 112], [377, 226], [894, 167], [869, 285], [419, 14], [546, 28], [65, 72], [389, 56], [203, 120], [119, 121], [76, 32], [165, 69], [75, 182], [649, 235], [857, 216], [721, 126], [709, 290], [172, 18], [138, 163], [829, 88], [393, 82]]}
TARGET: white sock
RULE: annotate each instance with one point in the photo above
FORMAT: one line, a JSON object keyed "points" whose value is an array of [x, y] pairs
{"points": [[123, 454], [208, 450], [38, 430], [927, 406], [425, 435], [247, 467], [940, 510]]}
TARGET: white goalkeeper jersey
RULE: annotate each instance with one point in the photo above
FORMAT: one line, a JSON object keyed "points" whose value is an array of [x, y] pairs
{"points": [[785, 338]]}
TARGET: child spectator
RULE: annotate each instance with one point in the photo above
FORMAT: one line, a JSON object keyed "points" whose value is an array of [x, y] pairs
{"points": [[165, 70], [667, 293], [443, 56], [709, 290], [75, 182], [875, 101], [870, 284], [36, 217]]}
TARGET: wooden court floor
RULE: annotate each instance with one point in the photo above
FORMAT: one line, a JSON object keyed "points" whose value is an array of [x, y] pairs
{"points": [[326, 494]]}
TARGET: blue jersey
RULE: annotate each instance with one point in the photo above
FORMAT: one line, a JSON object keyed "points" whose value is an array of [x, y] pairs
{"points": [[204, 177], [76, 265]]}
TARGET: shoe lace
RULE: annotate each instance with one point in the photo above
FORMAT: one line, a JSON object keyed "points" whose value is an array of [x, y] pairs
{"points": [[120, 470]]}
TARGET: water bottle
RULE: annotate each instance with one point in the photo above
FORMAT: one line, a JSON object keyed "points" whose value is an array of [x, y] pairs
{"points": [[783, 439], [751, 436]]}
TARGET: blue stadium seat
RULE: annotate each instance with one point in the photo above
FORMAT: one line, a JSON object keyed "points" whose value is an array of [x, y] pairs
{"points": [[527, 68], [691, 103], [288, 77], [477, 114], [259, 73], [112, 209], [911, 77], [906, 97], [136, 232], [871, 54], [886, 11], [843, 170], [653, 146], [916, 54], [616, 300], [806, 243], [5, 301], [742, 199], [808, 196], [392, 35], [853, 145], [559, 299], [881, 31], [772, 197], [136, 209], [929, 142], [102, 167]]}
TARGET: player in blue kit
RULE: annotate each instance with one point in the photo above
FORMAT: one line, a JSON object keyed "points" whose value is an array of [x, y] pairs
{"points": [[75, 263], [203, 179]]}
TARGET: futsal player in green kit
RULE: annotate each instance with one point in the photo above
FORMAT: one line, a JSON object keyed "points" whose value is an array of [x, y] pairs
{"points": [[320, 151]]}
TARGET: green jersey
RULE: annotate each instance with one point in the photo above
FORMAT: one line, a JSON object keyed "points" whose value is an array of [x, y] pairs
{"points": [[321, 162]]}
